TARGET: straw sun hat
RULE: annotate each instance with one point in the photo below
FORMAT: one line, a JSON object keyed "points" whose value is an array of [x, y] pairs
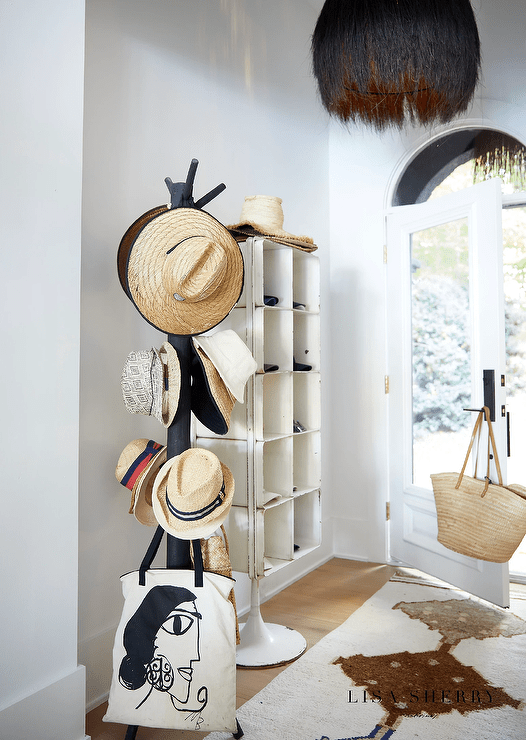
{"points": [[136, 469], [262, 215], [211, 401], [231, 357], [127, 241], [181, 268], [221, 366], [151, 382], [192, 494]]}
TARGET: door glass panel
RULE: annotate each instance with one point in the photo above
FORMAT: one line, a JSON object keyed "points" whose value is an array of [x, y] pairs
{"points": [[514, 246], [441, 349]]}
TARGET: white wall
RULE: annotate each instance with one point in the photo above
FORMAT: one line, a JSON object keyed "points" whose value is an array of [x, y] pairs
{"points": [[41, 57], [228, 83], [364, 167]]}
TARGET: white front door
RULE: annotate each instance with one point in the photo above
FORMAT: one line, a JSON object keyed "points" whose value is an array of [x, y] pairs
{"points": [[445, 328]]}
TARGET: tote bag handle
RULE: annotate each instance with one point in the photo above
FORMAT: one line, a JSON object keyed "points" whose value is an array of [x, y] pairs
{"points": [[151, 552], [484, 412]]}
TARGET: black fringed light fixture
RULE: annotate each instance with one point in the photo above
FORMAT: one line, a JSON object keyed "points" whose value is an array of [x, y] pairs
{"points": [[386, 62]]}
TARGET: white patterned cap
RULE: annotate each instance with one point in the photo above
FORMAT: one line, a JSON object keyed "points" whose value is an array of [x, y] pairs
{"points": [[151, 382]]}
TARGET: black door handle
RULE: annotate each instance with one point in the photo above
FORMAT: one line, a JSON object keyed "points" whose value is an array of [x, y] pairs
{"points": [[488, 379]]}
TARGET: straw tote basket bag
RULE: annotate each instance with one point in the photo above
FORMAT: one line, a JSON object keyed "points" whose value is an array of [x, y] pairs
{"points": [[174, 659], [479, 518], [216, 558]]}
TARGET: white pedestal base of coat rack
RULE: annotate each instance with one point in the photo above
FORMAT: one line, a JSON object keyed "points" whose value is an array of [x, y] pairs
{"points": [[265, 644]]}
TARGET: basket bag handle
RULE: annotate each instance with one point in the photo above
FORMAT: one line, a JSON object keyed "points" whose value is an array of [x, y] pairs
{"points": [[151, 552], [484, 412]]}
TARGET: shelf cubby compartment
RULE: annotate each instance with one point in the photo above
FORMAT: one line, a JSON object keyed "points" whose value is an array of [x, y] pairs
{"points": [[273, 470], [306, 462], [273, 405], [307, 399], [279, 532], [242, 553], [232, 453], [306, 339], [272, 273], [307, 523], [236, 320], [306, 280], [273, 334]]}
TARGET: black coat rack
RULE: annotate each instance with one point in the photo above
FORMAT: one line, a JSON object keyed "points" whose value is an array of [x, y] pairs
{"points": [[178, 433]]}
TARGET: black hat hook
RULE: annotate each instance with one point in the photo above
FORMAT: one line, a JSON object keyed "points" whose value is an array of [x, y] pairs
{"points": [[181, 192]]}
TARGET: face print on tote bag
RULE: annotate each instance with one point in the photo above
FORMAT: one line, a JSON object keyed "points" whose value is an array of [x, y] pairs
{"points": [[162, 644]]}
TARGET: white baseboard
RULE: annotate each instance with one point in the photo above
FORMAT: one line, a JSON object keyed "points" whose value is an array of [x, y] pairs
{"points": [[353, 539], [346, 556], [56, 712], [96, 653]]}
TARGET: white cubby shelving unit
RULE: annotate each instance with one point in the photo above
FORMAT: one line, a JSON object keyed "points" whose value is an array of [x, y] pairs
{"points": [[276, 513]]}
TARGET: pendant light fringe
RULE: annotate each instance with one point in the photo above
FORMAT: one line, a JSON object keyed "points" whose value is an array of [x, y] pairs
{"points": [[385, 62], [499, 155]]}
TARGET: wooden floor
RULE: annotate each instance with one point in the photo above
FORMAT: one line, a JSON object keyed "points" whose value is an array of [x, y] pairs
{"points": [[314, 606]]}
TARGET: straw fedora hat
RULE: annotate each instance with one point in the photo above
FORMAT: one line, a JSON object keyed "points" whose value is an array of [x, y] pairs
{"points": [[151, 382], [183, 269], [136, 469], [231, 357], [262, 215], [211, 401], [192, 494]]}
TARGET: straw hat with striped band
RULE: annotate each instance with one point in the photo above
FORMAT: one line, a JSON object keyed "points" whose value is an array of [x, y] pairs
{"points": [[262, 215], [184, 270], [151, 382], [136, 469], [192, 494]]}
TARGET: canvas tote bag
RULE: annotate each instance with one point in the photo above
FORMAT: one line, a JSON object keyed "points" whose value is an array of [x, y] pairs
{"points": [[480, 518], [174, 662]]}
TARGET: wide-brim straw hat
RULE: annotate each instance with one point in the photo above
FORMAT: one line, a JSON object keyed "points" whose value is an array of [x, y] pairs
{"points": [[151, 382], [231, 357], [211, 401], [262, 215], [128, 239], [136, 469], [192, 494], [183, 269]]}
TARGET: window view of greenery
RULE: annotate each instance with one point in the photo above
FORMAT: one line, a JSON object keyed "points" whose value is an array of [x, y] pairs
{"points": [[440, 326]]}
